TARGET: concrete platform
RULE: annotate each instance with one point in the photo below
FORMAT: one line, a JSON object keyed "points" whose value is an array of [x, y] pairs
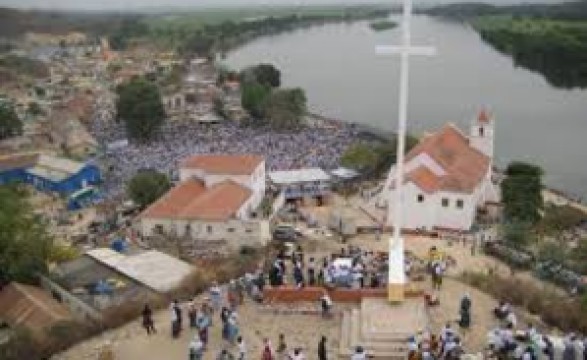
{"points": [[382, 320], [380, 328]]}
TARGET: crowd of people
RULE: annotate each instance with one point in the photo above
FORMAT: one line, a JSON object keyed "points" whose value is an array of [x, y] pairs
{"points": [[309, 147], [224, 301], [428, 346], [509, 341]]}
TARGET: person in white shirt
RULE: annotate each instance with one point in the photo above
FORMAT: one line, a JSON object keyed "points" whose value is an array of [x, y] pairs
{"points": [[196, 348], [511, 319], [326, 304], [359, 354], [242, 348]]}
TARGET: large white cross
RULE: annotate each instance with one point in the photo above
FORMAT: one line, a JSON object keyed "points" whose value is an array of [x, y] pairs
{"points": [[396, 273]]}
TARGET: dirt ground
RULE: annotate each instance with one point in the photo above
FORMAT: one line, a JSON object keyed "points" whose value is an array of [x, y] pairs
{"points": [[257, 322]]}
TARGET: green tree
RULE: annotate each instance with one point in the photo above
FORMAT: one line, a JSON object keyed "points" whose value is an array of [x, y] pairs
{"points": [[139, 105], [147, 186], [285, 108], [372, 158], [25, 245], [10, 124], [518, 234], [129, 28], [254, 97], [361, 157], [198, 43], [522, 193], [265, 74]]}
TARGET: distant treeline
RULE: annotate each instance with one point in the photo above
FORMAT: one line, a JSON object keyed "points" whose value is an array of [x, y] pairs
{"points": [[195, 37], [549, 39], [14, 23], [576, 10]]}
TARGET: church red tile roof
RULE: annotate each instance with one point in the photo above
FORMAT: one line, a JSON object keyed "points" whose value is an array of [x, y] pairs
{"points": [[424, 178], [464, 165], [191, 200], [223, 164]]}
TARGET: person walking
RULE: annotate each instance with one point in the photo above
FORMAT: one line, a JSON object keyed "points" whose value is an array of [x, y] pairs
{"points": [[465, 312], [175, 319], [196, 349], [326, 304], [148, 320], [242, 348], [215, 296], [203, 323], [322, 348], [311, 272], [282, 347], [267, 351]]}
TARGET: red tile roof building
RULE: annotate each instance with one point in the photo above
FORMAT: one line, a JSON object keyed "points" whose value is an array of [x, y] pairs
{"points": [[447, 176], [216, 199]]}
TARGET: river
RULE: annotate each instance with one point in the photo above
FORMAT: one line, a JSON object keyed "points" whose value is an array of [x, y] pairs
{"points": [[343, 78]]}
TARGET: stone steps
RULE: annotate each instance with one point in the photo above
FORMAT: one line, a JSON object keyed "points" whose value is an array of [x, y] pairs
{"points": [[376, 327], [351, 337]]}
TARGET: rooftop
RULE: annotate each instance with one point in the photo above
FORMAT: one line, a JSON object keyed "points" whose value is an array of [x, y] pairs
{"points": [[54, 168], [154, 269], [298, 176], [17, 161], [464, 165], [30, 307], [192, 200], [223, 164]]}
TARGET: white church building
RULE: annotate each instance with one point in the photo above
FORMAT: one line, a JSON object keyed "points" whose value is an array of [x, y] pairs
{"points": [[447, 177]]}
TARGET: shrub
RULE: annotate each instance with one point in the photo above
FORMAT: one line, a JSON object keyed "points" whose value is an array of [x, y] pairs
{"points": [[555, 309]]}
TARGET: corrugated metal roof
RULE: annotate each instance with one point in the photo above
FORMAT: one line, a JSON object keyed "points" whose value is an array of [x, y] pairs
{"points": [[153, 269], [298, 176]]}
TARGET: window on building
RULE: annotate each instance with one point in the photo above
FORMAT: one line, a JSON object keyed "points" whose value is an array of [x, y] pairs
{"points": [[159, 229], [230, 230], [420, 198], [209, 229], [460, 204], [444, 202], [248, 231], [481, 131]]}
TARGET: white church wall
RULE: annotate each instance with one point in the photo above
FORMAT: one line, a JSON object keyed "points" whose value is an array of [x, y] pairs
{"points": [[416, 214], [455, 210]]}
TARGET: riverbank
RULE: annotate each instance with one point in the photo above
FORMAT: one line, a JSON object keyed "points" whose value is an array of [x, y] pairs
{"points": [[555, 48], [224, 32]]}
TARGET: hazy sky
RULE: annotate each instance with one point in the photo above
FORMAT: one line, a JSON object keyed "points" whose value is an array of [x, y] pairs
{"points": [[136, 4]]}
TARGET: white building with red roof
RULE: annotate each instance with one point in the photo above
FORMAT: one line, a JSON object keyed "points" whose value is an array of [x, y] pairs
{"points": [[448, 176], [246, 170], [215, 200]]}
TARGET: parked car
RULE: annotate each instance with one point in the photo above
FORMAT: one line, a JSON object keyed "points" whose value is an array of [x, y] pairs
{"points": [[285, 233]]}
